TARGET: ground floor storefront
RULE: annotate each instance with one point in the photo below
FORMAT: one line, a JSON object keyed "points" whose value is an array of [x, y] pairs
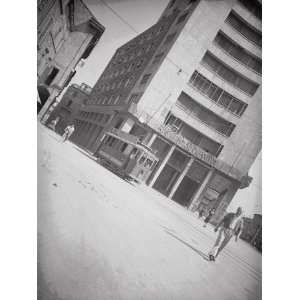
{"points": [[151, 157]]}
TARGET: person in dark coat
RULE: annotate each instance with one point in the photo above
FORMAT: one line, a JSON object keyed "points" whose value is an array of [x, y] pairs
{"points": [[201, 213], [211, 212]]}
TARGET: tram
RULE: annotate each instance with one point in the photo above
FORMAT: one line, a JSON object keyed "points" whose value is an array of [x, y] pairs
{"points": [[126, 156]]}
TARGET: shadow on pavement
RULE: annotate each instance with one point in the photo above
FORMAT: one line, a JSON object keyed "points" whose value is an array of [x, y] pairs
{"points": [[203, 255]]}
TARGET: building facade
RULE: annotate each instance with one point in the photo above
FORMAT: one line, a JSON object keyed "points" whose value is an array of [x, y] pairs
{"points": [[67, 34], [189, 88], [252, 232], [73, 100]]}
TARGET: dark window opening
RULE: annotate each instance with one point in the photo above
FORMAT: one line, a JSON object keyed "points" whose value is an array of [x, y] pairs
{"points": [[157, 58], [119, 123], [71, 8], [51, 76], [172, 3], [145, 79], [169, 38], [61, 7], [182, 18], [228, 74], [123, 147]]}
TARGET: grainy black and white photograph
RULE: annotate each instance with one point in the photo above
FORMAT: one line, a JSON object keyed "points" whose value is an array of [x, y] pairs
{"points": [[149, 139]]}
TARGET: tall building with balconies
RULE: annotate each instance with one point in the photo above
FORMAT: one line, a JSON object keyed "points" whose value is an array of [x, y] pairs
{"points": [[189, 88]]}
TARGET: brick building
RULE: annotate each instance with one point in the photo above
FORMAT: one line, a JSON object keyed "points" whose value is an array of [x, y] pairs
{"points": [[71, 103], [189, 88], [67, 33]]}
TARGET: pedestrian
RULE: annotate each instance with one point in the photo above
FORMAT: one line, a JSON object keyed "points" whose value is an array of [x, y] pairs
{"points": [[53, 123], [231, 225], [211, 212], [68, 132], [201, 213]]}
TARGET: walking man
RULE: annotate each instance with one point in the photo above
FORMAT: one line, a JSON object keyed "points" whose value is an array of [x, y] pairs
{"points": [[231, 225], [68, 132]]}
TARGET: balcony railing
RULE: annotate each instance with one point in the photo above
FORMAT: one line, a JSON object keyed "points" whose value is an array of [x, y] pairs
{"points": [[194, 115]]}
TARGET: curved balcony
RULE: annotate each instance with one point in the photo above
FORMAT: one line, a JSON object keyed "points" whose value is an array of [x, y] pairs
{"points": [[190, 119], [234, 63], [199, 97], [241, 40], [220, 82], [247, 16]]}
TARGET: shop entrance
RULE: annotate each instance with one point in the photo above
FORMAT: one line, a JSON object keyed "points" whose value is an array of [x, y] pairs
{"points": [[165, 180], [191, 183], [185, 191]]}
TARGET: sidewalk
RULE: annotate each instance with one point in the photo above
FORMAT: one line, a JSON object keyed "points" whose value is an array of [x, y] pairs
{"points": [[103, 238]]}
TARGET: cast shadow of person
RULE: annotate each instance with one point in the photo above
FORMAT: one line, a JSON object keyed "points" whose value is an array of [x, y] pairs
{"points": [[202, 254]]}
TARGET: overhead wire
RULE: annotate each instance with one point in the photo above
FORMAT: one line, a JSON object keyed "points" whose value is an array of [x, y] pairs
{"points": [[167, 58]]}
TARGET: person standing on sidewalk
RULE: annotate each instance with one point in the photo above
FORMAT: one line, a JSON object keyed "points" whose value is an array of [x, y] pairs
{"points": [[211, 212], [68, 132], [53, 123], [231, 225]]}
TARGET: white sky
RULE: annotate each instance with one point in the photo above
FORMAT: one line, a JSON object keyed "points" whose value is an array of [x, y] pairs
{"points": [[141, 14]]}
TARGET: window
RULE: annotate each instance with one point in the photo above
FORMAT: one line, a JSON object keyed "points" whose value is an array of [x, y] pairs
{"points": [[157, 58], [238, 53], [106, 118], [119, 123], [105, 99], [110, 100], [70, 13], [142, 160], [51, 76], [228, 74], [123, 147], [128, 82], [117, 99], [111, 141], [133, 98], [244, 29], [216, 94], [172, 3], [61, 7], [173, 122], [169, 38], [182, 18], [145, 79], [139, 63]]}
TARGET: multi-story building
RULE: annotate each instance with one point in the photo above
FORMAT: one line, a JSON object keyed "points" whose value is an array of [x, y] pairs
{"points": [[71, 103], [67, 33], [189, 88]]}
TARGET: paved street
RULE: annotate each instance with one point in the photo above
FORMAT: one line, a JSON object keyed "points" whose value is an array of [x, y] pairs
{"points": [[100, 237]]}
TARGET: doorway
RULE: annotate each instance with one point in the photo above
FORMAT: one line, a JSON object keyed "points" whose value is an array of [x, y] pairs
{"points": [[185, 191]]}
